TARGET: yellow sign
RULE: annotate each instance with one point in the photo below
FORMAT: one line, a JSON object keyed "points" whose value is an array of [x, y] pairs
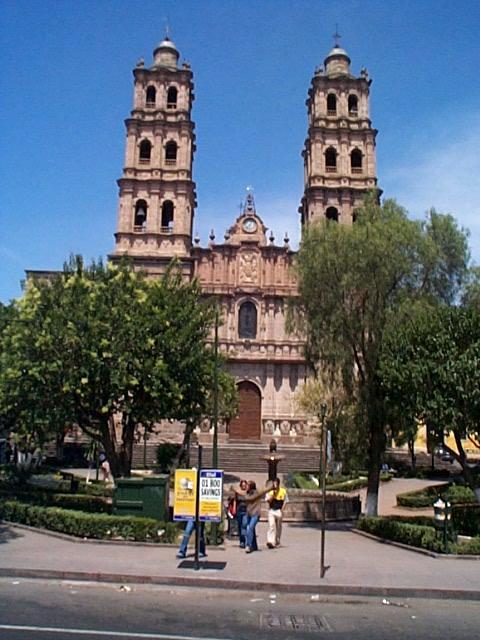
{"points": [[185, 493]]}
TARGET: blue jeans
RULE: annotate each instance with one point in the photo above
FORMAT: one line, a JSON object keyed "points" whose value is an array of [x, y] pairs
{"points": [[189, 529], [251, 533], [242, 519]]}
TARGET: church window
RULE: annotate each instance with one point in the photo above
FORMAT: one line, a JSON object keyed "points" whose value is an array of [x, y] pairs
{"points": [[330, 159], [140, 221], [151, 96], [353, 105], [172, 98], [356, 161], [145, 150], [332, 214], [167, 216], [331, 104], [171, 152], [247, 321]]}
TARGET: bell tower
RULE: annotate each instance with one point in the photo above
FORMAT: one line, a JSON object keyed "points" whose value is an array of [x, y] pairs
{"points": [[339, 153], [157, 192]]}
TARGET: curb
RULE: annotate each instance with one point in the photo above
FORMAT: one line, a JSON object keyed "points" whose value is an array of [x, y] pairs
{"points": [[216, 583], [406, 547]]}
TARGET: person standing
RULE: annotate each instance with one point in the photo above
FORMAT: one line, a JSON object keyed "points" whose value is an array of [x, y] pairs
{"points": [[189, 529], [241, 515], [254, 506], [277, 499]]}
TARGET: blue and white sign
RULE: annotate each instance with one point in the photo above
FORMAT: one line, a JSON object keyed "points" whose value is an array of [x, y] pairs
{"points": [[211, 495]]}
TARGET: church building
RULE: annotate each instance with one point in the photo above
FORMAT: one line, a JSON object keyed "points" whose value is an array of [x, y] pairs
{"points": [[249, 274]]}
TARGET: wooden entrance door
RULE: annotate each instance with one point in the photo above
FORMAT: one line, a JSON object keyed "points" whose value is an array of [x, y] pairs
{"points": [[247, 424]]}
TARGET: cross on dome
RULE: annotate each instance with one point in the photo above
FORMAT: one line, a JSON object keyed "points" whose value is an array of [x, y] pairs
{"points": [[336, 36]]}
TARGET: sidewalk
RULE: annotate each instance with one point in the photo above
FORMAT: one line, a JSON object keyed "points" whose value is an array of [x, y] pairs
{"points": [[358, 565]]}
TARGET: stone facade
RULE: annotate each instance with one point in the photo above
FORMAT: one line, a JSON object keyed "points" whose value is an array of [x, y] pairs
{"points": [[248, 273]]}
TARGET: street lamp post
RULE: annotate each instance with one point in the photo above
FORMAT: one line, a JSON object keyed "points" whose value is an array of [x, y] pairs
{"points": [[323, 474], [442, 510], [215, 396], [215, 413]]}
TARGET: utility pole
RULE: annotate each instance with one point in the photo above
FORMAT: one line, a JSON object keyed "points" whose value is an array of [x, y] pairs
{"points": [[215, 413], [323, 474], [215, 395]]}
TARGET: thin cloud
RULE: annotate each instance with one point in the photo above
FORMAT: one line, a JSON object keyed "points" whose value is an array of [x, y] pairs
{"points": [[11, 255], [443, 176]]}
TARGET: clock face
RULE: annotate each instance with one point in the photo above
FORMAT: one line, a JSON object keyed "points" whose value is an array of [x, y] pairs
{"points": [[249, 225]]}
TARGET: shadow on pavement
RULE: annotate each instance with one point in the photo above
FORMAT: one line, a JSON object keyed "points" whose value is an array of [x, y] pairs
{"points": [[203, 564], [7, 533], [346, 525]]}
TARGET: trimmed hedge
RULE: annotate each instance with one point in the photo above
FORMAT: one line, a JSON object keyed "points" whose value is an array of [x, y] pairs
{"points": [[99, 526], [79, 502], [424, 498], [466, 519], [344, 484], [415, 535]]}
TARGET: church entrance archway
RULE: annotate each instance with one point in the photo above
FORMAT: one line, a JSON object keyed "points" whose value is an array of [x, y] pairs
{"points": [[247, 424]]}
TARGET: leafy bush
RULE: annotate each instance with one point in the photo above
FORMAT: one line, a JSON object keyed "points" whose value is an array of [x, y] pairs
{"points": [[411, 534], [471, 547], [96, 489], [425, 497], [166, 452], [466, 519], [458, 493], [415, 532], [299, 480], [80, 502], [424, 521], [87, 525]]}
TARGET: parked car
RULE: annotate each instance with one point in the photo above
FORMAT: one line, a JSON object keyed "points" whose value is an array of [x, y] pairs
{"points": [[443, 454]]}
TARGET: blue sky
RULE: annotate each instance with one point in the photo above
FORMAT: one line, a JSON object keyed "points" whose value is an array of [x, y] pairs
{"points": [[67, 85]]}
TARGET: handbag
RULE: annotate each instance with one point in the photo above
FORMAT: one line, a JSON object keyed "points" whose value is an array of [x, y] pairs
{"points": [[232, 507]]}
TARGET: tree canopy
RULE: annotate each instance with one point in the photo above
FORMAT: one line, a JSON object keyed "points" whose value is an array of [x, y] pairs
{"points": [[105, 348], [354, 281], [430, 369]]}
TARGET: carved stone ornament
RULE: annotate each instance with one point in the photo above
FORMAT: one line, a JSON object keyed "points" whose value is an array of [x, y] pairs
{"points": [[248, 267], [269, 427]]}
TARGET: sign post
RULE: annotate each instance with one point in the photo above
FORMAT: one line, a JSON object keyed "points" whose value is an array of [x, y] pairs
{"points": [[198, 497]]}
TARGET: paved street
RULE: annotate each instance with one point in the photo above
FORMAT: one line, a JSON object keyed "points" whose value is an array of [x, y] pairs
{"points": [[54, 610]]}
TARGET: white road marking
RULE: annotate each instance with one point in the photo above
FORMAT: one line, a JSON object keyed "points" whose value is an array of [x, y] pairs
{"points": [[98, 632]]}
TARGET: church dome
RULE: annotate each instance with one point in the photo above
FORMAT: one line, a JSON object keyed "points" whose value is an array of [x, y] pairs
{"points": [[337, 62], [166, 54]]}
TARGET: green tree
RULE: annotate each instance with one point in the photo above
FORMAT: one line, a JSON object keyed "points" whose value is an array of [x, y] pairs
{"points": [[353, 282], [107, 349], [430, 368], [471, 295]]}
